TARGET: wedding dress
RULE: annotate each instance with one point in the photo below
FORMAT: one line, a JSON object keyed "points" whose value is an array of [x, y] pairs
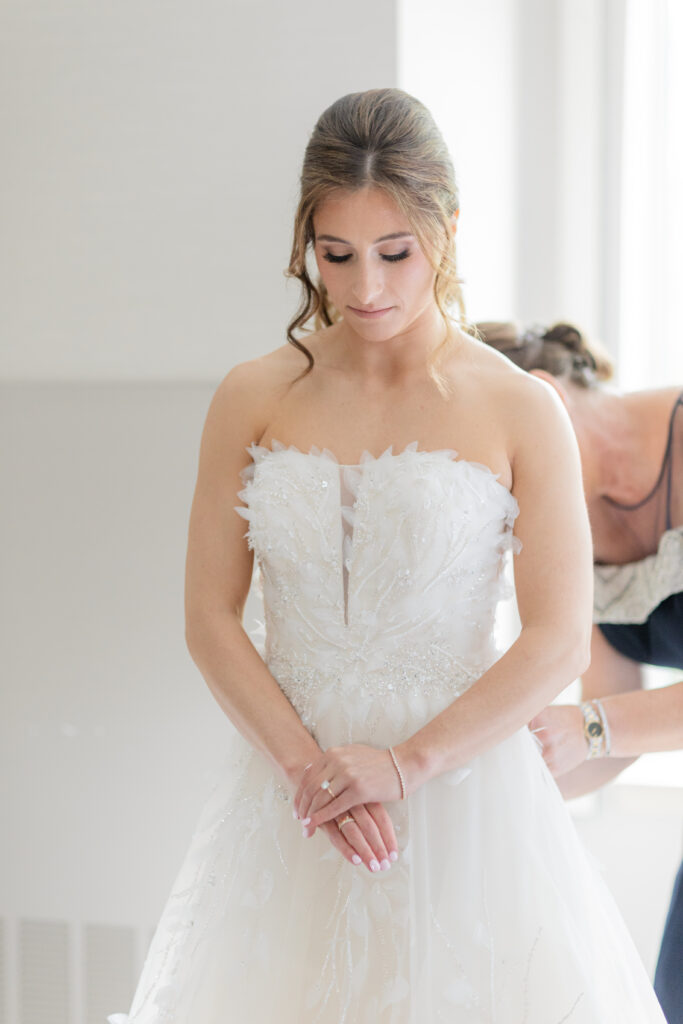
{"points": [[380, 584]]}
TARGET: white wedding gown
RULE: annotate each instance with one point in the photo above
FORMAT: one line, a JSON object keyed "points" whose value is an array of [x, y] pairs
{"points": [[380, 585]]}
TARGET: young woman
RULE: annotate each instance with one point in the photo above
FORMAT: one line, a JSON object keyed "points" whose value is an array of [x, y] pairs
{"points": [[632, 455], [389, 847]]}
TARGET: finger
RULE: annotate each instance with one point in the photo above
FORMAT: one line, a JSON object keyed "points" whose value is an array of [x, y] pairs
{"points": [[372, 835], [310, 770], [334, 809], [320, 790], [339, 841], [355, 837], [385, 825], [310, 787], [322, 797], [325, 770], [319, 811], [319, 797]]}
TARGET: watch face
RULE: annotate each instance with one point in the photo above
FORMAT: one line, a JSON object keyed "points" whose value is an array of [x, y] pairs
{"points": [[595, 729]]}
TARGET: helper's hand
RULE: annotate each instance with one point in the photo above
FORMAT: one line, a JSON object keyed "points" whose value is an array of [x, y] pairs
{"points": [[559, 728]]}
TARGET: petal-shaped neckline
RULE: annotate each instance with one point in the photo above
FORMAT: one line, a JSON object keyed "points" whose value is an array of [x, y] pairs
{"points": [[315, 452]]}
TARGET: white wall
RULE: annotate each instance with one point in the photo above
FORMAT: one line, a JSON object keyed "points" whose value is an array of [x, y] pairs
{"points": [[106, 723], [519, 89], [151, 154], [459, 58]]}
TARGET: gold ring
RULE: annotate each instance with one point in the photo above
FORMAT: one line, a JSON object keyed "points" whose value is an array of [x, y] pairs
{"points": [[345, 821], [328, 788]]}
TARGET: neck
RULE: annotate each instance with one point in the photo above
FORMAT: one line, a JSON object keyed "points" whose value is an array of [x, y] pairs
{"points": [[394, 360]]}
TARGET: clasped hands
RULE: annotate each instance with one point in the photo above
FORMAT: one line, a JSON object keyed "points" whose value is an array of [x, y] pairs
{"points": [[358, 780]]}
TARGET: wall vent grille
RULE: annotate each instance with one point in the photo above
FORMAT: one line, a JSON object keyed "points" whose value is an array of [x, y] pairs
{"points": [[67, 972], [4, 995], [44, 972]]}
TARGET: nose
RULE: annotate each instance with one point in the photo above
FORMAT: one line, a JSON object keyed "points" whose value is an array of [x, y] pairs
{"points": [[368, 282]]}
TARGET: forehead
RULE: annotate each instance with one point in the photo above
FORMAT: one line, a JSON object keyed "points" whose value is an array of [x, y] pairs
{"points": [[365, 213]]}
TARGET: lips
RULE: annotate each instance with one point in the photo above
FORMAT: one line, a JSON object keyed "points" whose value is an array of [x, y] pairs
{"points": [[370, 314]]}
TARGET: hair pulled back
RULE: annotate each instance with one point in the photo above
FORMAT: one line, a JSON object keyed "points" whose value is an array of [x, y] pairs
{"points": [[561, 350], [387, 139]]}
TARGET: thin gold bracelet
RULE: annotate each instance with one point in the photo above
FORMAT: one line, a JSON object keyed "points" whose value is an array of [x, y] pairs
{"points": [[398, 772]]}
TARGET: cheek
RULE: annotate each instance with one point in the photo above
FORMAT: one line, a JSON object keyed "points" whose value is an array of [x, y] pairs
{"points": [[329, 275], [417, 278]]}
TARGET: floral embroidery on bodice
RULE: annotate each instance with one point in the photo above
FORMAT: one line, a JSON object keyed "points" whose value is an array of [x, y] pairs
{"points": [[380, 580]]}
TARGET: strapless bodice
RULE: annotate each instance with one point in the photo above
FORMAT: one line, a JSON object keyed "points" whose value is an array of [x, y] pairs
{"points": [[380, 580]]}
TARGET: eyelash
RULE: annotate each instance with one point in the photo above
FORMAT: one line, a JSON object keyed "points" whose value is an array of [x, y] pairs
{"points": [[331, 258]]}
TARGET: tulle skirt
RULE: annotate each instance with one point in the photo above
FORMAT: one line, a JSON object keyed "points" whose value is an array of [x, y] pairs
{"points": [[493, 914]]}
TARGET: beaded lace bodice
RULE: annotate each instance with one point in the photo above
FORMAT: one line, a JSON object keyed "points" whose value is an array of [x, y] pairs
{"points": [[379, 580]]}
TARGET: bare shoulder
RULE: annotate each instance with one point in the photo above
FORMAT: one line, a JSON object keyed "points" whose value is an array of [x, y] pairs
{"points": [[246, 397], [534, 411], [520, 404], [541, 438]]}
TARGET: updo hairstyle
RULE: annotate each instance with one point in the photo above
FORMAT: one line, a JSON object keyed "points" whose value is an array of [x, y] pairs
{"points": [[561, 350], [386, 139]]}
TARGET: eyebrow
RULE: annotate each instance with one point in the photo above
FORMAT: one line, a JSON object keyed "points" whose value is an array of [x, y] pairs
{"points": [[384, 238]]}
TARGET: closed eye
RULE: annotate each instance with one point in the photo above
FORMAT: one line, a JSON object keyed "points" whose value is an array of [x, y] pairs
{"points": [[390, 258]]}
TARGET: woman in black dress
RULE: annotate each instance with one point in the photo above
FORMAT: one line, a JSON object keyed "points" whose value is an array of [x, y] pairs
{"points": [[632, 456]]}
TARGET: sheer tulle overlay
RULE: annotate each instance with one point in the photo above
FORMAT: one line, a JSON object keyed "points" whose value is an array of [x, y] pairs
{"points": [[380, 584]]}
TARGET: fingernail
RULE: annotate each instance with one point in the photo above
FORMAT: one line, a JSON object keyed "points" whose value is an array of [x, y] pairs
{"points": [[385, 865], [374, 865], [295, 816], [393, 855], [306, 821], [355, 859], [306, 834]]}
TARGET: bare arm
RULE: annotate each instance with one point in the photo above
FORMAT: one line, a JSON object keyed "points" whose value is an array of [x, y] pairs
{"points": [[640, 722], [218, 576], [646, 722], [609, 674]]}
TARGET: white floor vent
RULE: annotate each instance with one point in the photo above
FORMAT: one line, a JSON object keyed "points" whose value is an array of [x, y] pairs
{"points": [[4, 995], [43, 972], [65, 972]]}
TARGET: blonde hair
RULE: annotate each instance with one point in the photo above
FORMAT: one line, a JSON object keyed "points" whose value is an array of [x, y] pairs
{"points": [[387, 139], [562, 350]]}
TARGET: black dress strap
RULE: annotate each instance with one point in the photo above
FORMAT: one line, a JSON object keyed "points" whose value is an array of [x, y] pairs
{"points": [[667, 457], [667, 464]]}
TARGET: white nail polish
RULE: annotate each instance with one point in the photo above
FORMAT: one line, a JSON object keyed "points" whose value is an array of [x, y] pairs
{"points": [[355, 859], [306, 821], [295, 816], [393, 855], [374, 865], [385, 865]]}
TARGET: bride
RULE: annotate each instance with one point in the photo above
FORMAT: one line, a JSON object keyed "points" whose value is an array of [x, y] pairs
{"points": [[385, 844]]}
